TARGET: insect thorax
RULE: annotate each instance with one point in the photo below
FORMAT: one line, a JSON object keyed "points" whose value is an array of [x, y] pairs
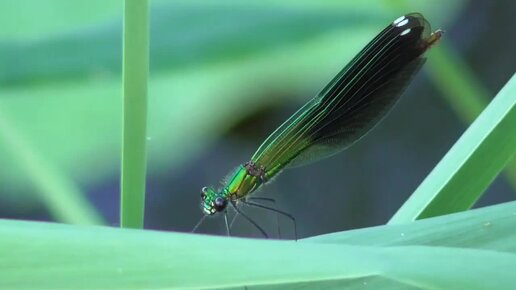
{"points": [[241, 183]]}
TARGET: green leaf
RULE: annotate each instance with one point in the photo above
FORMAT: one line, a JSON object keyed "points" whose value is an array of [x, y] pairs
{"points": [[51, 256], [68, 106], [489, 228], [134, 127], [180, 38], [461, 177], [62, 197], [72, 115], [27, 19], [462, 90]]}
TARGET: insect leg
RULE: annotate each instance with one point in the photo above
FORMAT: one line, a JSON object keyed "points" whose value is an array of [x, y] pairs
{"points": [[276, 211], [273, 201], [226, 221], [198, 223], [248, 219], [262, 198]]}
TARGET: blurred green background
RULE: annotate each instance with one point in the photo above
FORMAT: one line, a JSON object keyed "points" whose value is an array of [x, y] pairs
{"points": [[223, 75]]}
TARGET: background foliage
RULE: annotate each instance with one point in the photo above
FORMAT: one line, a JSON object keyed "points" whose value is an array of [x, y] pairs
{"points": [[231, 71], [222, 76]]}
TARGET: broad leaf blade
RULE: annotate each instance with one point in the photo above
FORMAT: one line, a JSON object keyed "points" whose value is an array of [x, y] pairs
{"points": [[485, 228], [50, 256]]}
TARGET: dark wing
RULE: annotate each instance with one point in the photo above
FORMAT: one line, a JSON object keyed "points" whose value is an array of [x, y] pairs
{"points": [[354, 101], [354, 120]]}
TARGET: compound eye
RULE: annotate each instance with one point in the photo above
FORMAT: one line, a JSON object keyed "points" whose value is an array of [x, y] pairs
{"points": [[220, 203], [203, 192]]}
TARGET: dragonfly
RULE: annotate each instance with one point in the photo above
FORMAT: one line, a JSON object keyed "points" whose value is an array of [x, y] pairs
{"points": [[348, 107]]}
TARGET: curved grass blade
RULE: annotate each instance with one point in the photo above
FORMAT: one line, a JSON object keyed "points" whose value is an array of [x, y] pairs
{"points": [[462, 89], [473, 162], [61, 196]]}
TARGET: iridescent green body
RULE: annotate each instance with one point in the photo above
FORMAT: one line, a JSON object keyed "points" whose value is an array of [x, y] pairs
{"points": [[344, 111], [241, 184]]}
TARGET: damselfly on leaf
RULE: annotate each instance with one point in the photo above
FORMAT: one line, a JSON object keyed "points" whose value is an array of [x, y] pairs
{"points": [[340, 114]]}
